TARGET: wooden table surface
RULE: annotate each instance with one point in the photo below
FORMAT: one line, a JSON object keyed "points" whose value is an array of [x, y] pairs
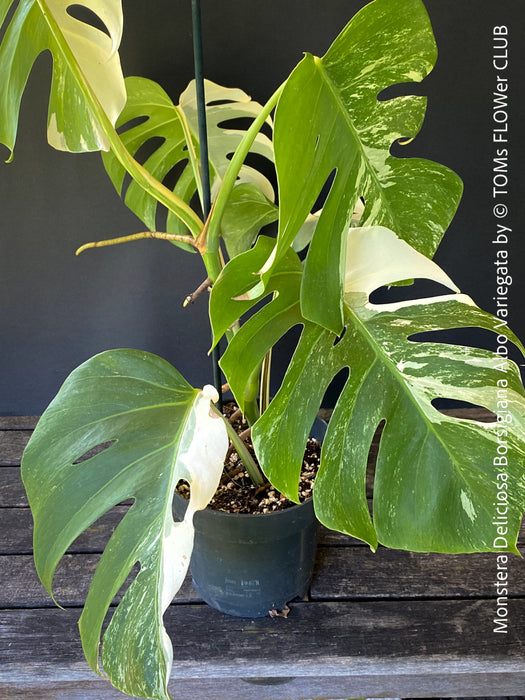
{"points": [[390, 624]]}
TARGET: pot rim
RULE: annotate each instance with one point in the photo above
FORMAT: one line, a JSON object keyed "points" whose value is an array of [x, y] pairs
{"points": [[319, 426], [224, 513]]}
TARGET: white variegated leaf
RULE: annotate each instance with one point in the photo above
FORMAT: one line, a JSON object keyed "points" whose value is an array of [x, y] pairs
{"points": [[223, 105], [87, 85], [375, 257], [157, 430]]}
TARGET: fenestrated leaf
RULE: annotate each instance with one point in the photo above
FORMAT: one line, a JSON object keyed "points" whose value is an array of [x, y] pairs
{"points": [[329, 120], [177, 128], [85, 63], [436, 476], [225, 105], [161, 430]]}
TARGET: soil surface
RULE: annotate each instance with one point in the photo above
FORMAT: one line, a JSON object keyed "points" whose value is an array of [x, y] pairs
{"points": [[237, 494]]}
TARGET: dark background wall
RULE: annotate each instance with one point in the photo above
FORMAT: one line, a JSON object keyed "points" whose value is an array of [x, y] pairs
{"points": [[57, 310]]}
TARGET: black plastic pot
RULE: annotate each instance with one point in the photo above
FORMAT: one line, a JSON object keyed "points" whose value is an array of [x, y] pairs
{"points": [[247, 565]]}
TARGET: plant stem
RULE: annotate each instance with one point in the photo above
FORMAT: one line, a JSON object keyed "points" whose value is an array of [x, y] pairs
{"points": [[137, 237], [230, 177], [191, 298], [201, 107], [251, 467], [192, 156]]}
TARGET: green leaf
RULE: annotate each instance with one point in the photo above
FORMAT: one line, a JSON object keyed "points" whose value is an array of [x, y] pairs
{"points": [[176, 126], [329, 120], [437, 477], [161, 430], [87, 79], [307, 230], [247, 211], [231, 297]]}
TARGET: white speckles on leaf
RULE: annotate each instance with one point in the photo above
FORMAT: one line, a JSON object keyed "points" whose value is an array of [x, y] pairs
{"points": [[468, 506]]}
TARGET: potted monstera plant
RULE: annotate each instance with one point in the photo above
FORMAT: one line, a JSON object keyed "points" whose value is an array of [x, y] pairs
{"points": [[379, 224]]}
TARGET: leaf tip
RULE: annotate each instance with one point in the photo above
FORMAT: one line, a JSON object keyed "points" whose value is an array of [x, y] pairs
{"points": [[210, 392]]}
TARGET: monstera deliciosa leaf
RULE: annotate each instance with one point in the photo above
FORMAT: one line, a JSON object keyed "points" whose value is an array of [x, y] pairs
{"points": [[176, 128], [87, 87], [329, 122], [159, 430], [436, 477]]}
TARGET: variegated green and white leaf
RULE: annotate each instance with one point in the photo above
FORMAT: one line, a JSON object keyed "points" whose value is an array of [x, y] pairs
{"points": [[87, 88], [436, 477], [160, 430], [329, 121], [177, 128], [224, 105]]}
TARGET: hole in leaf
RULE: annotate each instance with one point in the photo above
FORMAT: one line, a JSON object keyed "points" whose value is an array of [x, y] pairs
{"points": [[90, 543], [172, 177], [411, 290], [335, 387], [446, 406], [119, 595], [132, 123], [325, 191], [468, 337], [340, 337], [282, 353], [400, 90], [86, 16], [267, 130], [183, 488], [195, 204], [147, 148], [93, 451], [241, 123], [264, 166], [372, 459]]}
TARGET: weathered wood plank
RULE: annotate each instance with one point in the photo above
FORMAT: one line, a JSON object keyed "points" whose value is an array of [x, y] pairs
{"points": [[16, 531], [21, 588], [12, 444], [357, 573], [340, 574], [18, 422], [11, 488], [12, 492], [412, 649], [226, 689]]}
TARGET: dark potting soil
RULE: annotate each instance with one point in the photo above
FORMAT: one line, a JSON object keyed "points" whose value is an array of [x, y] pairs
{"points": [[237, 494]]}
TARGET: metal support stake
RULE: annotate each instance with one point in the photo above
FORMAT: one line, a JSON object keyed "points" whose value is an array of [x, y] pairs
{"points": [[203, 143]]}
